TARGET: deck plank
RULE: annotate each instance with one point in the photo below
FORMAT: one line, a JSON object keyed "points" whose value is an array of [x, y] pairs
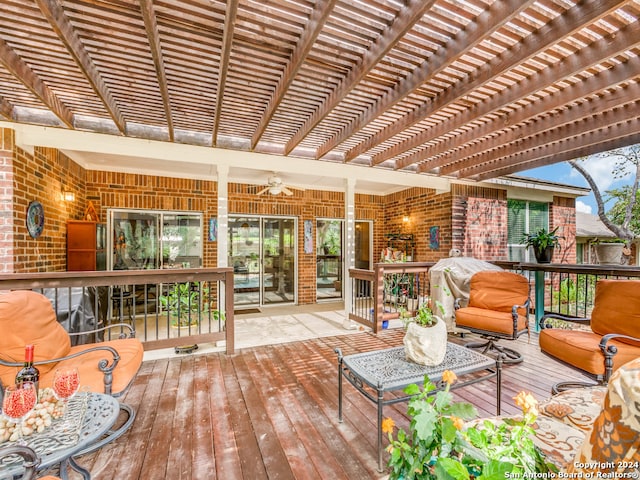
{"points": [[271, 412]]}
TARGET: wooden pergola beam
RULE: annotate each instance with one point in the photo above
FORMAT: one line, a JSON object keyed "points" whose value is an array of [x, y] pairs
{"points": [[6, 109], [317, 20], [508, 142], [609, 139], [23, 72], [225, 54], [471, 141], [151, 26], [599, 50], [496, 16], [54, 14], [411, 13], [559, 140], [553, 32]]}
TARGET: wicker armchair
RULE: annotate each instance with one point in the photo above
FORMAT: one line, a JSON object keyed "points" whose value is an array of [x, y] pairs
{"points": [[609, 339]]}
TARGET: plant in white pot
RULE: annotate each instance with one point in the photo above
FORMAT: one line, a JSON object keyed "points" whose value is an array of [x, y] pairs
{"points": [[425, 341], [609, 251]]}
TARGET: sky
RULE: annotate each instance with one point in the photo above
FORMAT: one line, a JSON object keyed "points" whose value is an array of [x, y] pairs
{"points": [[600, 168]]}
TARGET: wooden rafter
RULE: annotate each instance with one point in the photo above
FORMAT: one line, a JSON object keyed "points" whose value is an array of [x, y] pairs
{"points": [[608, 139], [225, 54], [486, 23], [598, 51], [6, 109], [466, 143], [408, 16], [511, 140], [54, 14], [552, 33], [317, 19], [32, 81], [616, 123], [151, 26]]}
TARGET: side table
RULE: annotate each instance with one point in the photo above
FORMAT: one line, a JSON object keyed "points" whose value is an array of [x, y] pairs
{"points": [[374, 373], [99, 413]]}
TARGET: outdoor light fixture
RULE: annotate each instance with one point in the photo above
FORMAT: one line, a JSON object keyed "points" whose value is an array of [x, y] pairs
{"points": [[68, 196]]}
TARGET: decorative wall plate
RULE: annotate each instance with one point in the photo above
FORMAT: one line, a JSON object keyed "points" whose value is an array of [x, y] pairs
{"points": [[35, 219]]}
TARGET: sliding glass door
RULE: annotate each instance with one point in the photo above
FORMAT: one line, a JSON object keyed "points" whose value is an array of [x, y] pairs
{"points": [[262, 254], [144, 239], [329, 260]]}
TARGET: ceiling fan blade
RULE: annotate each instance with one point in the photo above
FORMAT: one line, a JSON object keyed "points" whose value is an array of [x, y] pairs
{"points": [[285, 190], [264, 190]]}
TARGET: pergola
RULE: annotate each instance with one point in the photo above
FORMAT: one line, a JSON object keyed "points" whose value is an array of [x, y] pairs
{"points": [[467, 89]]}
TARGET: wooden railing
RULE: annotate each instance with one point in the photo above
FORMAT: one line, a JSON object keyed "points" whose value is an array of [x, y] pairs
{"points": [[570, 289], [379, 295], [86, 300]]}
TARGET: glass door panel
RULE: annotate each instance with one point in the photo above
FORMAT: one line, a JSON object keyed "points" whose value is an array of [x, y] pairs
{"points": [[244, 257], [329, 265], [181, 241], [278, 260], [136, 240]]}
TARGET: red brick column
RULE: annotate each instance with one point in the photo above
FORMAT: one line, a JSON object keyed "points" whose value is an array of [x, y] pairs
{"points": [[6, 200]]}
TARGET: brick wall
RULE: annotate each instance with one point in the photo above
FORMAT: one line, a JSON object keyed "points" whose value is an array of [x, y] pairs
{"points": [[479, 219], [425, 209], [563, 215], [6, 200], [41, 177]]}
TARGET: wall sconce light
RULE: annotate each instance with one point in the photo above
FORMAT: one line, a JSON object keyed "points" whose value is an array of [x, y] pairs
{"points": [[405, 218], [68, 196]]}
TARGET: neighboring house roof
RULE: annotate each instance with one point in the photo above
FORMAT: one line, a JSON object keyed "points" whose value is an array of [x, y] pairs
{"points": [[588, 225]]}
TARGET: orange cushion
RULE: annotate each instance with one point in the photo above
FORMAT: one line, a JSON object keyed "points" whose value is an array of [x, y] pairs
{"points": [[479, 318], [130, 351], [580, 349], [27, 317], [498, 290], [617, 308]]}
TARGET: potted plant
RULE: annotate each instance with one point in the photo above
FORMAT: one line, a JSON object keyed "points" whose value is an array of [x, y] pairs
{"points": [[439, 444], [543, 243], [609, 251], [425, 341], [183, 304]]}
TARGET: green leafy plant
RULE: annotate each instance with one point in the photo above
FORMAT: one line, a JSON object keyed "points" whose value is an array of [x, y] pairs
{"points": [[542, 239], [185, 306], [439, 445], [425, 315]]}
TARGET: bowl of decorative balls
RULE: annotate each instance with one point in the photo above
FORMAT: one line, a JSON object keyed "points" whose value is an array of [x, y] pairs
{"points": [[48, 409]]}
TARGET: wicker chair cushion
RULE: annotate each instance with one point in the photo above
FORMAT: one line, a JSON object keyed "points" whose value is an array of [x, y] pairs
{"points": [[617, 308], [498, 291], [580, 349], [493, 321]]}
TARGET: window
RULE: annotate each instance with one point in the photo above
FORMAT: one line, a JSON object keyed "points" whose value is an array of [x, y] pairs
{"points": [[145, 239], [524, 217]]}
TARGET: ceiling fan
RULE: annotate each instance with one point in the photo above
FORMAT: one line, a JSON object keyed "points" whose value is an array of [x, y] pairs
{"points": [[275, 186]]}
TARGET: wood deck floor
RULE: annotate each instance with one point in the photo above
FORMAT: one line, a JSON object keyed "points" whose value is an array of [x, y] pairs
{"points": [[271, 413]]}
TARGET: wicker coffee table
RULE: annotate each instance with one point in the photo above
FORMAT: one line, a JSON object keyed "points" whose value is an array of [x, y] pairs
{"points": [[380, 371]]}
